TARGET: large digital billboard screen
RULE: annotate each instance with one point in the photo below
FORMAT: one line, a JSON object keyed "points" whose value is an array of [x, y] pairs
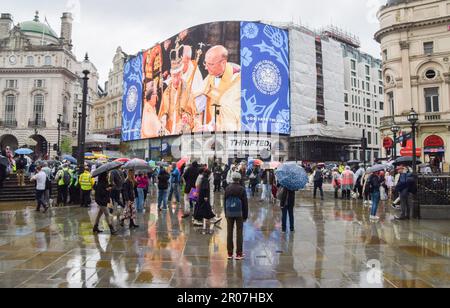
{"points": [[223, 76]]}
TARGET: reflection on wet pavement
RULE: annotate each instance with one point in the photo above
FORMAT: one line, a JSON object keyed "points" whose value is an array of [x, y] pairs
{"points": [[334, 245]]}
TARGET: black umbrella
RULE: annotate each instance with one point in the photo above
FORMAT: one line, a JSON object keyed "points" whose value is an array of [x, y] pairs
{"points": [[106, 168], [4, 161], [407, 160], [353, 162]]}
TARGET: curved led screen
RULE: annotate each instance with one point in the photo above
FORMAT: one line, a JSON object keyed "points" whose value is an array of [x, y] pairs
{"points": [[222, 76]]}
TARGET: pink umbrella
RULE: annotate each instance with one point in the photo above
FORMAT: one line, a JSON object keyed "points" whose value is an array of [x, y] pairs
{"points": [[275, 164], [122, 160], [181, 162]]}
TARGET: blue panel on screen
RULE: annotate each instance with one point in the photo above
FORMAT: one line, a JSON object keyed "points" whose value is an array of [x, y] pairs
{"points": [[265, 78], [132, 99]]}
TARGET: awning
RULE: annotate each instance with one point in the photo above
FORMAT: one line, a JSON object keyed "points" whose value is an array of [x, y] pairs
{"points": [[434, 150]]}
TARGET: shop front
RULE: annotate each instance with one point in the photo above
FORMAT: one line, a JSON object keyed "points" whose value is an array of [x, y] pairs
{"points": [[434, 150]]}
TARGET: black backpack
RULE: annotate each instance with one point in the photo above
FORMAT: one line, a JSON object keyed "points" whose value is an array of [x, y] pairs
{"points": [[66, 177], [204, 185], [318, 176]]}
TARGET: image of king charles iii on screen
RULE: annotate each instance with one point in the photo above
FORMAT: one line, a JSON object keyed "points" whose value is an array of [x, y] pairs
{"points": [[190, 76]]}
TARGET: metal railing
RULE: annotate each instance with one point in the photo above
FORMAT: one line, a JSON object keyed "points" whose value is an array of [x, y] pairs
{"points": [[8, 123], [38, 124], [434, 190]]}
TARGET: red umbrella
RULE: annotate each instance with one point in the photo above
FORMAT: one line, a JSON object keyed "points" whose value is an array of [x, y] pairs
{"points": [[181, 162], [258, 162], [122, 160]]}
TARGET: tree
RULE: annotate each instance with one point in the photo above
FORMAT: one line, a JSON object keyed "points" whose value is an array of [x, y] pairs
{"points": [[66, 145]]}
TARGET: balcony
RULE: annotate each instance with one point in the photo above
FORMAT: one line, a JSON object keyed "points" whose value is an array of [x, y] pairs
{"points": [[65, 126], [432, 117], [38, 124], [8, 124]]}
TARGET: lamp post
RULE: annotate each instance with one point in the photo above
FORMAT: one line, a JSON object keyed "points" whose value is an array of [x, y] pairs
{"points": [[82, 137], [161, 135], [216, 113], [395, 130], [59, 135], [413, 118]]}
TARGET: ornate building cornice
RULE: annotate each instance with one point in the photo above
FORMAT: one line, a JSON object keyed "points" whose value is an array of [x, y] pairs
{"points": [[63, 71], [410, 25]]}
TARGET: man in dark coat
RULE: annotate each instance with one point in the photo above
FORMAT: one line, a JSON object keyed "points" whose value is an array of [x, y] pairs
{"points": [[190, 177]]}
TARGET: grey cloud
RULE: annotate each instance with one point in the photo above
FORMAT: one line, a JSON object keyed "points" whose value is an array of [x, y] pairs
{"points": [[136, 25]]}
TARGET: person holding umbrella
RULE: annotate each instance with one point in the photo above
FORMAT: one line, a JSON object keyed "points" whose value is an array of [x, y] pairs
{"points": [[102, 198], [291, 178]]}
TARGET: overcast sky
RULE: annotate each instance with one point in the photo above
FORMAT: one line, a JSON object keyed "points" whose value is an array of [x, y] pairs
{"points": [[102, 25]]}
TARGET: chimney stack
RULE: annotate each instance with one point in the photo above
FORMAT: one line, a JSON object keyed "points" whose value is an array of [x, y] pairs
{"points": [[66, 30], [5, 25]]}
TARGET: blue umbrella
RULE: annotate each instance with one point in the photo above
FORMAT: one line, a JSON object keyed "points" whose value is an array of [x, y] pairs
{"points": [[24, 152], [70, 158], [292, 176]]}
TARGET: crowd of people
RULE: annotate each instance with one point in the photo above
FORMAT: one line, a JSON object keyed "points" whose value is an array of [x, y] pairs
{"points": [[124, 193]]}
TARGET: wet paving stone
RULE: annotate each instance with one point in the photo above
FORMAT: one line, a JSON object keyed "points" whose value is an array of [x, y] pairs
{"points": [[333, 247]]}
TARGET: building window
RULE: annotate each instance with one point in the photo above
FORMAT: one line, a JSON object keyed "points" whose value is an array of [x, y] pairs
{"points": [[385, 55], [38, 108], [376, 138], [346, 116], [369, 120], [367, 70], [353, 64], [11, 84], [380, 75], [380, 90], [30, 60], [390, 97], [432, 99], [369, 138], [10, 110], [39, 83], [428, 48], [368, 103], [48, 60], [381, 106], [346, 97]]}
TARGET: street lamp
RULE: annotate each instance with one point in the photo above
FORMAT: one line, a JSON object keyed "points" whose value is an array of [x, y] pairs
{"points": [[395, 130], [216, 113], [161, 135], [59, 135], [413, 118], [82, 137]]}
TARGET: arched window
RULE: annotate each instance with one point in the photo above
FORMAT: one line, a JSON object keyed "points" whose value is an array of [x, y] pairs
{"points": [[38, 108], [10, 110]]}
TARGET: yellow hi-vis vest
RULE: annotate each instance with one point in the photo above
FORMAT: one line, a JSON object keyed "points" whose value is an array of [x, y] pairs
{"points": [[86, 181]]}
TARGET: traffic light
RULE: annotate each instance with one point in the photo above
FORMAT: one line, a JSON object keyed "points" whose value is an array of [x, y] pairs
{"points": [[364, 143]]}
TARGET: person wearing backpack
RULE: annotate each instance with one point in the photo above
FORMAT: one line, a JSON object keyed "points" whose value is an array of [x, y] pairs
{"points": [[374, 183], [21, 165], [116, 180], [163, 188], [287, 204], [175, 184], [318, 181], [63, 178], [254, 180], [236, 213]]}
